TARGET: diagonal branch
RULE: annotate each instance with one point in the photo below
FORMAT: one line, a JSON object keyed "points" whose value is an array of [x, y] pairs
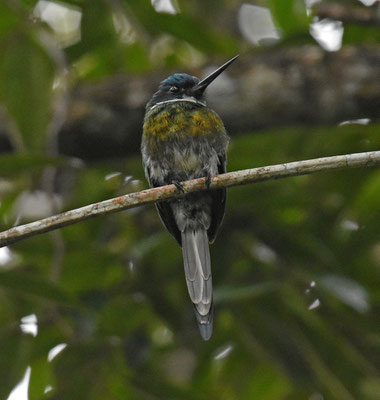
{"points": [[167, 192]]}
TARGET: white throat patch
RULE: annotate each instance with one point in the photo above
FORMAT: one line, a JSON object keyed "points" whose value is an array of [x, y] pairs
{"points": [[186, 99]]}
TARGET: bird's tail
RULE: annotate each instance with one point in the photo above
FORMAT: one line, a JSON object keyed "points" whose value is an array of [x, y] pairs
{"points": [[196, 256]]}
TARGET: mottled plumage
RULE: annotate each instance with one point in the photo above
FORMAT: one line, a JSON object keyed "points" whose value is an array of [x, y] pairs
{"points": [[184, 139]]}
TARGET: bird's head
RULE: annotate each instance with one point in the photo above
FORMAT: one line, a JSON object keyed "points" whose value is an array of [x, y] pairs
{"points": [[184, 86]]}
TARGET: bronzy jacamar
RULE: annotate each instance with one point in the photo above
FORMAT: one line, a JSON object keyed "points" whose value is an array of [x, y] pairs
{"points": [[184, 139]]}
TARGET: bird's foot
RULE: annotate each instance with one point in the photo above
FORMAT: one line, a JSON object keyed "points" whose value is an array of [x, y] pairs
{"points": [[208, 181], [179, 186]]}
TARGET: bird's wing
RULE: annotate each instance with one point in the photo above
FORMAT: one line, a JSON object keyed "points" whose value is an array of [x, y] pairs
{"points": [[165, 211], [218, 203], [167, 217]]}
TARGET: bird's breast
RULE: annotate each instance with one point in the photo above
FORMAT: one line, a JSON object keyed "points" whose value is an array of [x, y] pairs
{"points": [[186, 160], [182, 140], [180, 121]]}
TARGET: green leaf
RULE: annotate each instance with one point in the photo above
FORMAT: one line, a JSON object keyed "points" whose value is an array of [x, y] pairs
{"points": [[26, 86], [101, 51], [290, 15], [8, 18], [41, 377]]}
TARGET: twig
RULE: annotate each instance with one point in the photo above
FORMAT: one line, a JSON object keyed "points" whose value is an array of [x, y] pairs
{"points": [[167, 192]]}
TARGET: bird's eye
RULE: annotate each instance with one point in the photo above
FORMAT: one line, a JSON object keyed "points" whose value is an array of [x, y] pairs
{"points": [[174, 89]]}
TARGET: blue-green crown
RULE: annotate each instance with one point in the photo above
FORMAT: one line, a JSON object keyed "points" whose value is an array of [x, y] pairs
{"points": [[173, 87], [182, 80]]}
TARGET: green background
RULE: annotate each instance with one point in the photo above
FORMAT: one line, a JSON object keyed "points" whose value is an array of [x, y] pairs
{"points": [[113, 288]]}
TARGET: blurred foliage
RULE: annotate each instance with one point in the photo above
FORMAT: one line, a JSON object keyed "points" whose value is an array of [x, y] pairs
{"points": [[296, 265]]}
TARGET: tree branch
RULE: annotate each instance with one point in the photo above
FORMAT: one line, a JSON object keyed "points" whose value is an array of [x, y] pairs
{"points": [[229, 179]]}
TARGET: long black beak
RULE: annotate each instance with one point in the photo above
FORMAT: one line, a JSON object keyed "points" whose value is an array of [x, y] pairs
{"points": [[201, 86]]}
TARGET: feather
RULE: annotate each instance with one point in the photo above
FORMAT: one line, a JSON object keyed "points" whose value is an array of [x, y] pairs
{"points": [[165, 211], [218, 203], [196, 256]]}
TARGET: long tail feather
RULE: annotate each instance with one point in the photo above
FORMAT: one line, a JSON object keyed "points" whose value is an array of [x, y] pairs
{"points": [[196, 256]]}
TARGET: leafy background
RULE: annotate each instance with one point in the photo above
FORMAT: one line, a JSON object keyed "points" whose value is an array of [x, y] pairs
{"points": [[296, 265]]}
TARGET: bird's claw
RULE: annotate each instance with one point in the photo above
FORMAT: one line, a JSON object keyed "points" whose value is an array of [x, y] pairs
{"points": [[208, 181], [179, 186]]}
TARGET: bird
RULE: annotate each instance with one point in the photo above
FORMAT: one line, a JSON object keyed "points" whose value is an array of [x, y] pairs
{"points": [[184, 139]]}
